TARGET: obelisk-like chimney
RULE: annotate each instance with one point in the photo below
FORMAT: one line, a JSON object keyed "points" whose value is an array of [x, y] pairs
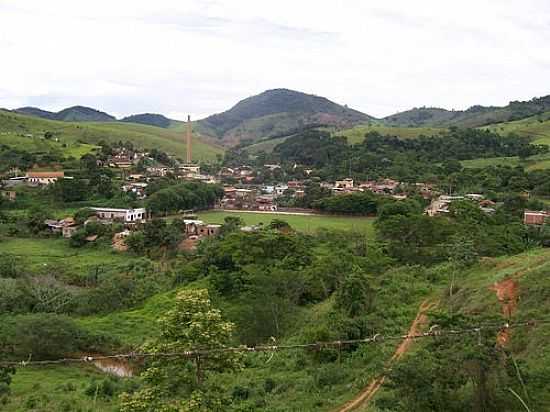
{"points": [[188, 141]]}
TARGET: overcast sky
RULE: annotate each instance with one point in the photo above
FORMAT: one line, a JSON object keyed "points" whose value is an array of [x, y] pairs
{"points": [[201, 56]]}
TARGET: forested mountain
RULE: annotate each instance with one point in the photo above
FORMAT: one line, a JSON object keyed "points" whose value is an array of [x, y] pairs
{"points": [[152, 119], [35, 111], [475, 116], [70, 114], [279, 112]]}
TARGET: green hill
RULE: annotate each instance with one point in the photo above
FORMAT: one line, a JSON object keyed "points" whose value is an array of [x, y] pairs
{"points": [[27, 132], [150, 119], [70, 114], [276, 113], [475, 116]]}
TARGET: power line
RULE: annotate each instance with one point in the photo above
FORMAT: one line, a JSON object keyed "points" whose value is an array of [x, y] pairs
{"points": [[197, 353]]}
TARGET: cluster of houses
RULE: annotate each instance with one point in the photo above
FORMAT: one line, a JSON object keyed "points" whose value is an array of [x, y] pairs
{"points": [[194, 229], [440, 205]]}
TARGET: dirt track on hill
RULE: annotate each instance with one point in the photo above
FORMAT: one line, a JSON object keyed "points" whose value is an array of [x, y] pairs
{"points": [[366, 395]]}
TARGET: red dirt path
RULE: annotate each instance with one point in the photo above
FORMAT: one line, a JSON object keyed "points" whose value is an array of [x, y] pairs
{"points": [[366, 395]]}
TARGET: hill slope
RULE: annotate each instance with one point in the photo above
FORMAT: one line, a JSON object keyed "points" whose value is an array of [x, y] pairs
{"points": [[475, 116], [151, 119], [23, 131], [276, 113], [70, 114]]}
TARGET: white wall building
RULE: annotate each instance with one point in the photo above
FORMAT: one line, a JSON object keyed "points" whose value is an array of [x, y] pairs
{"points": [[125, 215]]}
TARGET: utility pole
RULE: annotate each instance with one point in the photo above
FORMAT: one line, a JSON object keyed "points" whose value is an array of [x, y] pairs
{"points": [[188, 141]]}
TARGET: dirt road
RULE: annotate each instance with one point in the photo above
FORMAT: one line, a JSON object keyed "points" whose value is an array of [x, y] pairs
{"points": [[366, 395]]}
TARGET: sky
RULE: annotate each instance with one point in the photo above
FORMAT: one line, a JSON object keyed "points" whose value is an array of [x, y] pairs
{"points": [[202, 56]]}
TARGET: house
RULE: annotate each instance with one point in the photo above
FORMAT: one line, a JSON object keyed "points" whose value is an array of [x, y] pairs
{"points": [[266, 203], [68, 231], [441, 204], [268, 189], [533, 217], [8, 194], [137, 187], [14, 182], [44, 178], [280, 190], [122, 215], [121, 162], [295, 184], [194, 227], [244, 171], [344, 183], [226, 172], [190, 169], [158, 170], [66, 226]]}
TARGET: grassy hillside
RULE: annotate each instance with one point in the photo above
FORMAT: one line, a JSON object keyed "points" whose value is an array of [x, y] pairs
{"points": [[535, 127], [475, 116], [296, 380], [16, 129], [527, 284]]}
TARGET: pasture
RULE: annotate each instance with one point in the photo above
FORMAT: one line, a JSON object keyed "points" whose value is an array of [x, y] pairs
{"points": [[302, 223]]}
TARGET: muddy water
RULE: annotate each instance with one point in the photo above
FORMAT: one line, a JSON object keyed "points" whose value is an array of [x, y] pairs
{"points": [[115, 367]]}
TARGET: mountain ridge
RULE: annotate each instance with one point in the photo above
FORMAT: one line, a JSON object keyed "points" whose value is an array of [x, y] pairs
{"points": [[276, 111], [474, 116]]}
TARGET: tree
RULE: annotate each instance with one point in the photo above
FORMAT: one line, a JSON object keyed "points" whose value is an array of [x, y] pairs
{"points": [[354, 295], [231, 224], [35, 219], [5, 381], [184, 385]]}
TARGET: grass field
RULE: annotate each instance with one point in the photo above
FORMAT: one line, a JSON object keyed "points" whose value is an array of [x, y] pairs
{"points": [[55, 388], [265, 146], [537, 162], [301, 223], [357, 134], [57, 253], [14, 128], [36, 144], [536, 128]]}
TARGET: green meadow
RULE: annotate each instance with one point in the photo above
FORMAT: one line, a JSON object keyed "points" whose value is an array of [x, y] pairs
{"points": [[56, 252], [302, 223]]}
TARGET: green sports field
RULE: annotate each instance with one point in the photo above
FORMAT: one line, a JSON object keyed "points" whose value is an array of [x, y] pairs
{"points": [[301, 223]]}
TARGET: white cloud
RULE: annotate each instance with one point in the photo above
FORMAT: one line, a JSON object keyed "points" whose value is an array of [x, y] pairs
{"points": [[201, 57]]}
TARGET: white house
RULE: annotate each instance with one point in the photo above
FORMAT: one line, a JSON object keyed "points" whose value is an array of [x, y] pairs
{"points": [[125, 215], [44, 178]]}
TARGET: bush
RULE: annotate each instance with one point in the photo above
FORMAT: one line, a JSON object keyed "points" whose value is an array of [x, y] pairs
{"points": [[43, 336]]}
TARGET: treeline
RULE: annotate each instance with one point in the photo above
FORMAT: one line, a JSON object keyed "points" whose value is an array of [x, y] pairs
{"points": [[183, 196], [365, 204], [390, 156], [464, 234]]}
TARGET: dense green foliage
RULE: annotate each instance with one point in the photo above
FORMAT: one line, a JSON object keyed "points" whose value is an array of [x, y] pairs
{"points": [[184, 196], [405, 159], [148, 118]]}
